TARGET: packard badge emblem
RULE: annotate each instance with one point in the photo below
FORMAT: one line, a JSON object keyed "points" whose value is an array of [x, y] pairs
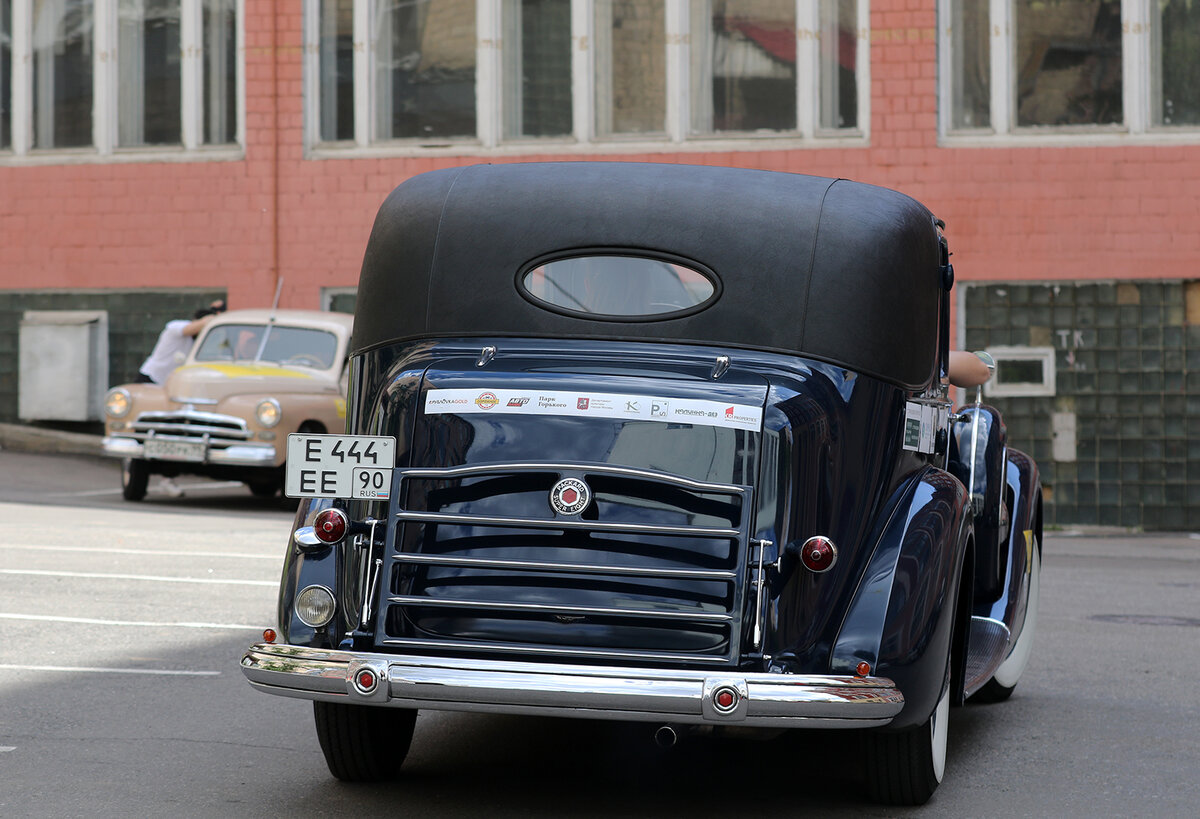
{"points": [[570, 496]]}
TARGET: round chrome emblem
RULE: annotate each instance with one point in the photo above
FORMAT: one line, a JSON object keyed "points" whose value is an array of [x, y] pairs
{"points": [[570, 496]]}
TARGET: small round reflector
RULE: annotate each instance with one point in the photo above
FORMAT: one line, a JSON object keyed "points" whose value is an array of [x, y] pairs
{"points": [[366, 680], [330, 525], [315, 606], [818, 554], [269, 635], [725, 699], [864, 669]]}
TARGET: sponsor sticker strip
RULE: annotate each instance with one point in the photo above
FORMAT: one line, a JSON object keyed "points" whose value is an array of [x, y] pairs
{"points": [[594, 405]]}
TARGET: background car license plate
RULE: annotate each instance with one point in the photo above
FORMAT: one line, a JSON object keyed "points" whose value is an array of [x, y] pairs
{"points": [[174, 450]]}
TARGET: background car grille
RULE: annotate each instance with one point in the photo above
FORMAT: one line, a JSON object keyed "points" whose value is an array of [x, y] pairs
{"points": [[654, 570], [218, 430]]}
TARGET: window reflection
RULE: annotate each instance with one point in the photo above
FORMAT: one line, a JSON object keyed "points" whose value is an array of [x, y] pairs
{"points": [[970, 73], [220, 71], [839, 53], [1178, 38], [63, 37], [5, 73], [425, 68], [631, 67], [537, 68], [743, 65], [1069, 62], [296, 346], [336, 61], [618, 286], [148, 90]]}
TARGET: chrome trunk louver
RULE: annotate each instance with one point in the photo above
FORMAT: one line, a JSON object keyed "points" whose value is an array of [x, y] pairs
{"points": [[603, 585]]}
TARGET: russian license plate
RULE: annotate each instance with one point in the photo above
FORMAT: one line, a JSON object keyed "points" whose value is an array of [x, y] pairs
{"points": [[339, 466], [155, 449]]}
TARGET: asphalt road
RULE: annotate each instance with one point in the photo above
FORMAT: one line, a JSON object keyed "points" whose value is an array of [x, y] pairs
{"points": [[120, 694]]}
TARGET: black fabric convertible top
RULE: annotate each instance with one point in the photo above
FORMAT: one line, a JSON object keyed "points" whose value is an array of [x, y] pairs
{"points": [[839, 271]]}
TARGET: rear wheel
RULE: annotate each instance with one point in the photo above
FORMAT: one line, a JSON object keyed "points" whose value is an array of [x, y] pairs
{"points": [[906, 767], [135, 476], [1002, 684], [363, 743]]}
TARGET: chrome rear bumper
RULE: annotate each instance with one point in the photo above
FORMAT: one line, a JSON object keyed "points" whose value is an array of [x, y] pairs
{"points": [[597, 692]]}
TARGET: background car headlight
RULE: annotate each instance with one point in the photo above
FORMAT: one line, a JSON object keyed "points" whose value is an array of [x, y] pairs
{"points": [[268, 412], [118, 402], [315, 606]]}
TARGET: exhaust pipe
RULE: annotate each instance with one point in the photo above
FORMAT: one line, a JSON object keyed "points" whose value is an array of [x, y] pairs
{"points": [[666, 737]]}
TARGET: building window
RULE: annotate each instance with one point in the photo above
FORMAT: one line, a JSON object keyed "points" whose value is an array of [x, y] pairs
{"points": [[62, 71], [107, 74], [487, 72], [5, 74], [424, 59], [630, 67], [1027, 67]]}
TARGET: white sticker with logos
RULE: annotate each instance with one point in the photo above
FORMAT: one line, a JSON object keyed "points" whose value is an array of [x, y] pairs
{"points": [[339, 466], [920, 426], [593, 405]]}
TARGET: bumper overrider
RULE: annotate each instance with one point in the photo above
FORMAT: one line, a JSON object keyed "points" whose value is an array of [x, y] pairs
{"points": [[552, 689]]}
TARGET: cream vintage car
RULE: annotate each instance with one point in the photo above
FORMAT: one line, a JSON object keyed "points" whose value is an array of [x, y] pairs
{"points": [[252, 377]]}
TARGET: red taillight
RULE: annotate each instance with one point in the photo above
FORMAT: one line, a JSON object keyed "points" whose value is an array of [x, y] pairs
{"points": [[269, 635], [330, 525], [863, 670], [818, 554]]}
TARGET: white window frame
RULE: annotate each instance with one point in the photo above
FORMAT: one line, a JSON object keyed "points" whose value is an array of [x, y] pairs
{"points": [[1045, 386], [1138, 79], [489, 92], [105, 77]]}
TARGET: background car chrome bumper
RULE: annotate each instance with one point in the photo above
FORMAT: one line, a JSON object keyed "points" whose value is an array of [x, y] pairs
{"points": [[235, 455], [599, 692]]}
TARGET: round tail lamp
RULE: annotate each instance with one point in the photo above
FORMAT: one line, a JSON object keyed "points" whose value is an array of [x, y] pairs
{"points": [[818, 554], [330, 525]]}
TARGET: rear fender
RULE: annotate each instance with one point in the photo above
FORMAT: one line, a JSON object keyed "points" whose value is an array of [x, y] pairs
{"points": [[301, 569], [901, 618], [1024, 488]]}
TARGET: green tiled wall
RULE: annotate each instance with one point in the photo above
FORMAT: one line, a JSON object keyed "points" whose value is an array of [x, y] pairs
{"points": [[135, 318], [1128, 366]]}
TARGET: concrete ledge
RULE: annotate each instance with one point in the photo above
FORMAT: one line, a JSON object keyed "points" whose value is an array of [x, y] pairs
{"points": [[24, 438]]}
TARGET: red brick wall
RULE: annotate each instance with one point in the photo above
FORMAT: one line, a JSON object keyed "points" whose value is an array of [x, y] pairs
{"points": [[1013, 213]]}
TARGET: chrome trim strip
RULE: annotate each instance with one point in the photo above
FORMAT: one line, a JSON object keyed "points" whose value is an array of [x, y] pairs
{"points": [[198, 415], [644, 694], [187, 432], [561, 468], [541, 608], [577, 568], [566, 523]]}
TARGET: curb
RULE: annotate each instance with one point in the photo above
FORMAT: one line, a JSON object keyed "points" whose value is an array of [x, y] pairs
{"points": [[22, 438]]}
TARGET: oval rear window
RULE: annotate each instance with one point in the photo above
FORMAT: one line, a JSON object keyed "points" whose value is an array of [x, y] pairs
{"points": [[618, 287]]}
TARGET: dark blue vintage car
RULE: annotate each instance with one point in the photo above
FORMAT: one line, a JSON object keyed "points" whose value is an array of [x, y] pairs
{"points": [[655, 443]]}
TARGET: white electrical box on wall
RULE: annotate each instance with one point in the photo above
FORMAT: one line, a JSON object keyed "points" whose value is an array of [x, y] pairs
{"points": [[63, 365]]}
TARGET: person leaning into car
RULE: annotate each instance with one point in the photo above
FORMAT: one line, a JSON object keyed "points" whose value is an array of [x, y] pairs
{"points": [[173, 344]]}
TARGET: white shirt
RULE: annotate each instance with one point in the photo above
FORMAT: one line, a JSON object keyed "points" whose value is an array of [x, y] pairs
{"points": [[169, 351]]}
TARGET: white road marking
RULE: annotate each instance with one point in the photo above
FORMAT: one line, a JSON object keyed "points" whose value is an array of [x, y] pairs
{"points": [[187, 487], [90, 621], [152, 578], [4, 748], [162, 672], [148, 552]]}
